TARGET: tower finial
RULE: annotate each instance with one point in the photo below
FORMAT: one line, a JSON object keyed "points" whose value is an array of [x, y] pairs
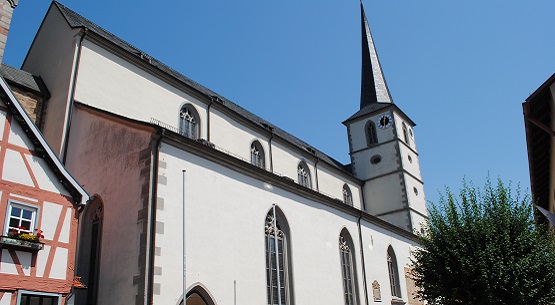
{"points": [[373, 86]]}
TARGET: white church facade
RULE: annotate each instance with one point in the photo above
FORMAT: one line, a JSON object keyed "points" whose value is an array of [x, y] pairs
{"points": [[180, 174]]}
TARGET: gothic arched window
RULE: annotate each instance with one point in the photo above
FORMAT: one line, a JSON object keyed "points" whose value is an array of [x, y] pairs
{"points": [[393, 273], [371, 135], [189, 122], [348, 269], [257, 154], [347, 195], [304, 175], [405, 133], [277, 259]]}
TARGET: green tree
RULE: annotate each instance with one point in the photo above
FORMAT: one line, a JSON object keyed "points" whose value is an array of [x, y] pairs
{"points": [[483, 247]]}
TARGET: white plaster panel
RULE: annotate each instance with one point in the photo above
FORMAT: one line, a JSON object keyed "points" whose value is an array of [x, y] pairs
{"points": [[6, 298], [44, 175], [384, 194], [15, 169], [66, 227], [18, 137], [42, 258], [228, 245], [99, 85], [366, 170], [25, 261], [2, 122], [51, 56], [59, 265], [7, 265], [49, 221]]}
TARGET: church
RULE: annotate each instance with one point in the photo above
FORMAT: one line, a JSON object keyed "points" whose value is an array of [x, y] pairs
{"points": [[194, 198]]}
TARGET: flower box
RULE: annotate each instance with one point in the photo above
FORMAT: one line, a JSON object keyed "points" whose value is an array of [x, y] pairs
{"points": [[9, 242]]}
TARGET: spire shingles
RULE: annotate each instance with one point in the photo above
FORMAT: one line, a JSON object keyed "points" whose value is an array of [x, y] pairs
{"points": [[373, 86]]}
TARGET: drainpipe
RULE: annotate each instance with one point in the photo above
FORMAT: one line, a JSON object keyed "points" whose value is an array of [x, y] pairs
{"points": [[364, 284], [69, 107], [316, 172], [208, 118], [270, 152], [149, 272]]}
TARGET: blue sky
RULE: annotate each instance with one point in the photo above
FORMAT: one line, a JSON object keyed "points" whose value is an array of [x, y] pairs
{"points": [[459, 69]]}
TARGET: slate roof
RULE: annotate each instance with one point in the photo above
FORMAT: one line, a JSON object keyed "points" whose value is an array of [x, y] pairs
{"points": [[77, 21], [24, 79]]}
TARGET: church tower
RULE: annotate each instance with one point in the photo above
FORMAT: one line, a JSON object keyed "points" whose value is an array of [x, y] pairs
{"points": [[382, 147]]}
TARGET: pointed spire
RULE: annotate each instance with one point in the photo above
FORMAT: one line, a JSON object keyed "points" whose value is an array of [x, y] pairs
{"points": [[373, 86]]}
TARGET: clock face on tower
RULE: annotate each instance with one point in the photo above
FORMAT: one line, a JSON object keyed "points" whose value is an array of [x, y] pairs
{"points": [[384, 121]]}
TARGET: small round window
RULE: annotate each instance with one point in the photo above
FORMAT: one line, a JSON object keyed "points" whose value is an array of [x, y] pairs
{"points": [[410, 159], [376, 159], [415, 191]]}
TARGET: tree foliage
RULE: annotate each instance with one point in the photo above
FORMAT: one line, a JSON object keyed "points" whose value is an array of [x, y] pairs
{"points": [[483, 247]]}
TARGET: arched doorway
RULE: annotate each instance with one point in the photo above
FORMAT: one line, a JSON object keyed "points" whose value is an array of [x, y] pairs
{"points": [[198, 295]]}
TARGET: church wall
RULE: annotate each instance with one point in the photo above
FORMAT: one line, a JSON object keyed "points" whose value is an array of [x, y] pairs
{"points": [[411, 165], [236, 137], [384, 195], [113, 84], [51, 56], [376, 241], [111, 159], [388, 164], [357, 131], [398, 120], [332, 185], [286, 161], [225, 236]]}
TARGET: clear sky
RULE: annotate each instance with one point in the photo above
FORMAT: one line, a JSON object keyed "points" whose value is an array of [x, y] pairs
{"points": [[459, 69]]}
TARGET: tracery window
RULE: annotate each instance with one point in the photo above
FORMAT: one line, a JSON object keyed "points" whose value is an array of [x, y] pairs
{"points": [[257, 154], [277, 275], [393, 273], [304, 175], [347, 270], [189, 122], [347, 195], [371, 135], [405, 133]]}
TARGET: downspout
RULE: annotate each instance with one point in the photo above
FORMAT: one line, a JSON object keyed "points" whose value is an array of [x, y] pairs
{"points": [[149, 272], [270, 152], [316, 172], [69, 108], [364, 284], [208, 119]]}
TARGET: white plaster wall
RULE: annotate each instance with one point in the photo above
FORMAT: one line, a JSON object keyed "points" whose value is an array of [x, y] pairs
{"points": [[331, 184], [412, 167], [235, 137], [398, 120], [13, 163], [286, 161], [357, 129], [376, 241], [51, 56], [6, 263], [384, 194], [225, 236], [59, 264], [110, 83], [366, 170], [6, 298], [44, 175], [49, 220]]}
